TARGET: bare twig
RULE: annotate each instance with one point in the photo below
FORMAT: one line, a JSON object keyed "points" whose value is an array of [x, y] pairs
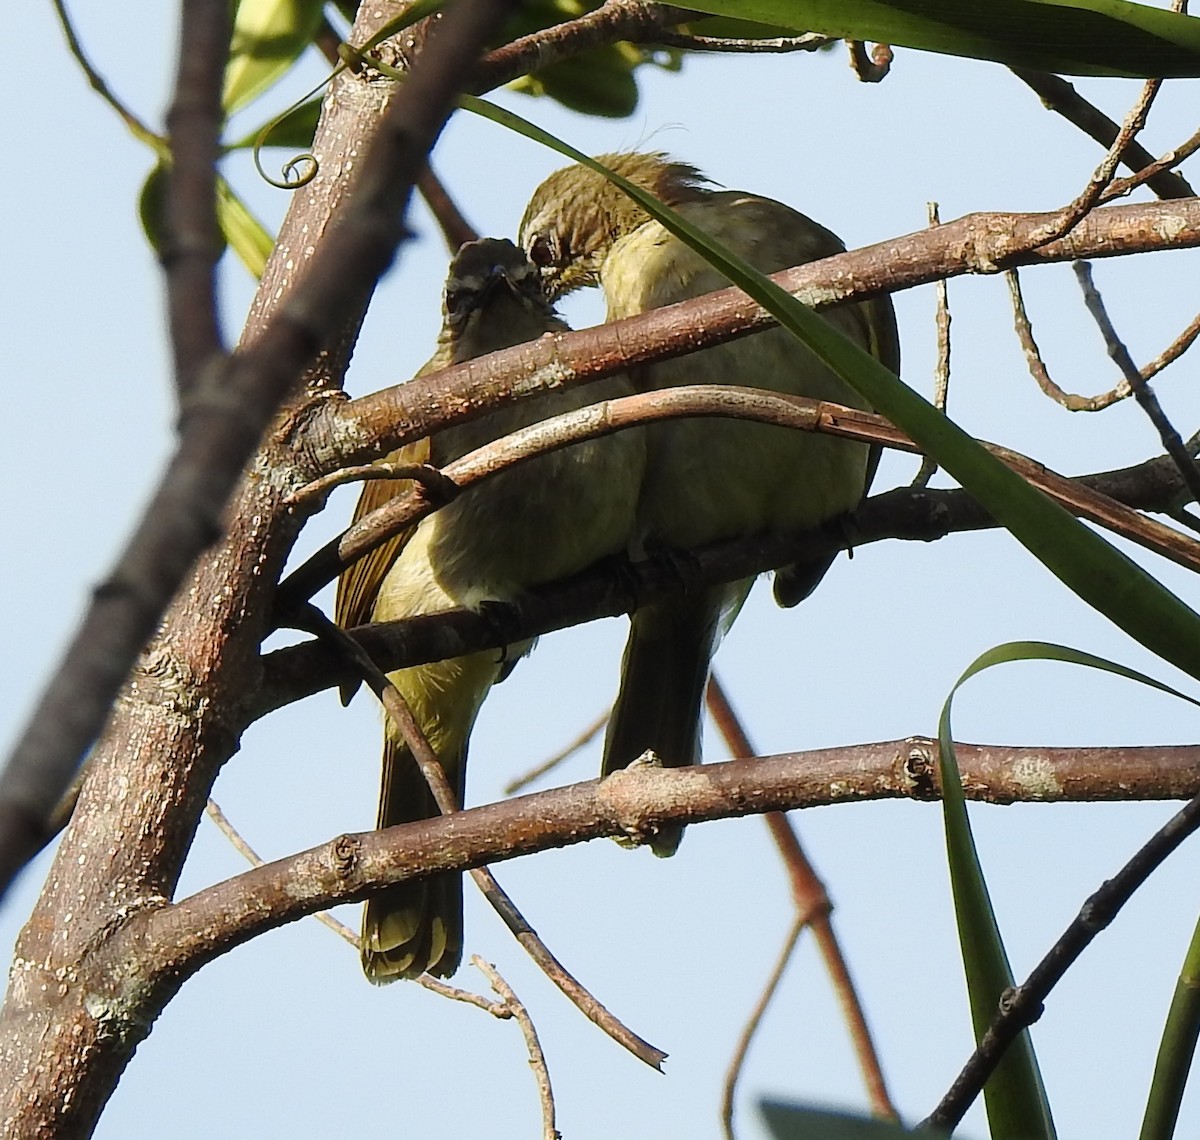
{"points": [[1020, 1007], [97, 82], [1123, 186], [537, 1058], [755, 404], [552, 762], [1037, 366], [1069, 400], [235, 837], [191, 243], [941, 375], [225, 420], [813, 908], [301, 670], [455, 228], [1070, 217], [1147, 401], [434, 485], [870, 67], [1060, 96], [738, 1060], [372, 425], [434, 985], [401, 716], [1174, 350]]}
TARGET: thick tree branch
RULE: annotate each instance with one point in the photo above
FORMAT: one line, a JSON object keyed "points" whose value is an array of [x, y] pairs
{"points": [[170, 943], [978, 243], [913, 514], [225, 417]]}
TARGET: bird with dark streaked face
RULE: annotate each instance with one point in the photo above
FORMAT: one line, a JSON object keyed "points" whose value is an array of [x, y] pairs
{"points": [[706, 479], [543, 520]]}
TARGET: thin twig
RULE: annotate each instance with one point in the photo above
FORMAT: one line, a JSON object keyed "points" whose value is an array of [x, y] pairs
{"points": [[1070, 217], [435, 485], [1020, 1007], [870, 67], [192, 245], [552, 762], [809, 41], [1037, 366], [1147, 401], [607, 416], [813, 908], [97, 83], [738, 1060], [406, 724], [235, 837], [537, 1058], [941, 374], [454, 226], [1061, 97], [1174, 350], [1122, 186]]}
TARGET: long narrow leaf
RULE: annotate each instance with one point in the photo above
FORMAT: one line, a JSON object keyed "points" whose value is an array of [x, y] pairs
{"points": [[1176, 1051], [1105, 578], [1016, 1099], [246, 235], [1073, 37]]}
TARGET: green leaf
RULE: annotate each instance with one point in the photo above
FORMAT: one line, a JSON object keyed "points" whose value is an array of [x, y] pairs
{"points": [[1072, 37], [597, 82], [1176, 1051], [796, 1122], [295, 130], [152, 206], [268, 37], [1101, 575], [1016, 1098], [246, 235]]}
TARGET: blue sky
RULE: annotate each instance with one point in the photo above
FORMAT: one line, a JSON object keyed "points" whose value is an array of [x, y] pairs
{"points": [[284, 1037]]}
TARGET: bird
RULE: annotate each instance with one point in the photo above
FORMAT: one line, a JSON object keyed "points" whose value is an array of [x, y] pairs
{"points": [[706, 479], [541, 521]]}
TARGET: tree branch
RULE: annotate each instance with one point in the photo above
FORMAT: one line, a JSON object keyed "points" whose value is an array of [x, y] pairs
{"points": [[170, 943], [365, 428], [224, 421], [192, 244]]}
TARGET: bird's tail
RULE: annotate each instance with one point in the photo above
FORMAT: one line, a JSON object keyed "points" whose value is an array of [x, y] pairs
{"points": [[663, 678], [412, 928]]}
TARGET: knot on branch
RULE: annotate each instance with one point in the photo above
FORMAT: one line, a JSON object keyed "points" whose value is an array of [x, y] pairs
{"points": [[918, 769], [640, 797], [344, 854]]}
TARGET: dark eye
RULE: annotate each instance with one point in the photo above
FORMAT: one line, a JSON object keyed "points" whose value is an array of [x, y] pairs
{"points": [[457, 298], [543, 252]]}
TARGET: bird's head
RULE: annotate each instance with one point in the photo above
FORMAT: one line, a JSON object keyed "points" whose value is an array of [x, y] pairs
{"points": [[576, 216], [493, 293]]}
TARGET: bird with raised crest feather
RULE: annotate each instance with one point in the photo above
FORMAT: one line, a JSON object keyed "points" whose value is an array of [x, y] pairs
{"points": [[543, 520], [706, 479]]}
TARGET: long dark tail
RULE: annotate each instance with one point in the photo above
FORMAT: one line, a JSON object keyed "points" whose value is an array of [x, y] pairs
{"points": [[412, 928], [663, 678]]}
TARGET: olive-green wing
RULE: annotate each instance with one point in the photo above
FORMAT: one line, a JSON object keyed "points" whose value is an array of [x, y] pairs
{"points": [[359, 583]]}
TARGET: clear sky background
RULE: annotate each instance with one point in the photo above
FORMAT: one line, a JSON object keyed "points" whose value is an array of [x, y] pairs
{"points": [[284, 1037]]}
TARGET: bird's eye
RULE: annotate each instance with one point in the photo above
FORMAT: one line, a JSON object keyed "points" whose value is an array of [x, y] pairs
{"points": [[543, 252], [457, 298]]}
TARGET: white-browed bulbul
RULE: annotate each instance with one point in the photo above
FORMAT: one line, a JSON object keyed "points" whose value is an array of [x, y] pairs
{"points": [[706, 479], [543, 520]]}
